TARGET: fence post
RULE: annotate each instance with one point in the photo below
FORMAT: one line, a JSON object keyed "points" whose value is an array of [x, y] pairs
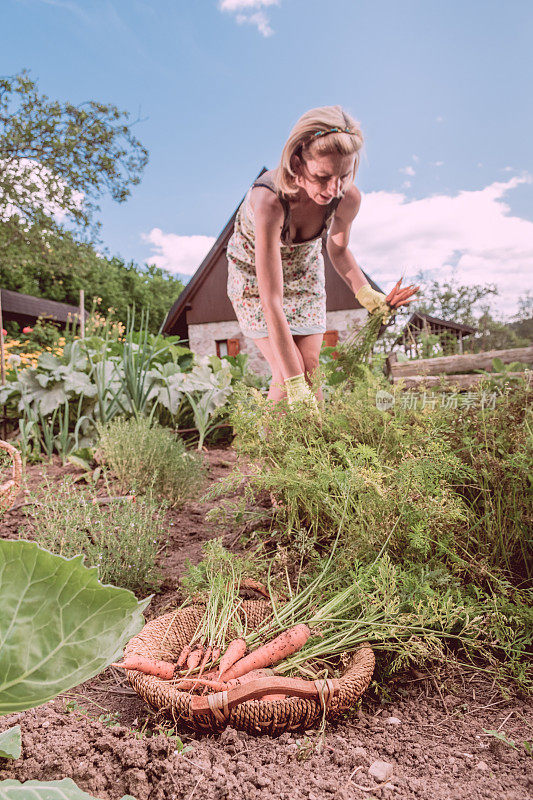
{"points": [[81, 313]]}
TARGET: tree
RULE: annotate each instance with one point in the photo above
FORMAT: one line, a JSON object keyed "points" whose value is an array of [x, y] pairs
{"points": [[61, 267], [449, 300], [57, 159]]}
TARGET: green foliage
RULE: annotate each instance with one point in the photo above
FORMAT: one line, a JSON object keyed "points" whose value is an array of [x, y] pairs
{"points": [[356, 350], [435, 512], [65, 789], [59, 403], [146, 456], [59, 626], [121, 538], [60, 158], [59, 270], [11, 743], [443, 484], [450, 300]]}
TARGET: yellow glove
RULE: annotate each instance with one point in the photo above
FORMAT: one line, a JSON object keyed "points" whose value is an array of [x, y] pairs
{"points": [[298, 391], [373, 301]]}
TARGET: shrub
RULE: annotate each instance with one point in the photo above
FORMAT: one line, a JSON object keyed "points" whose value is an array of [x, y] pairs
{"points": [[146, 456], [121, 539]]}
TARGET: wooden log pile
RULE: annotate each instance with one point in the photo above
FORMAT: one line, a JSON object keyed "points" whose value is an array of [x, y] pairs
{"points": [[457, 371]]}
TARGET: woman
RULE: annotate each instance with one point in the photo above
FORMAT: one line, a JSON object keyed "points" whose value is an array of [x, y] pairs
{"points": [[275, 262]]}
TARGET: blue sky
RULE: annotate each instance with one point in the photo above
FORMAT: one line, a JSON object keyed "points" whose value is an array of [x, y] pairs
{"points": [[442, 91]]}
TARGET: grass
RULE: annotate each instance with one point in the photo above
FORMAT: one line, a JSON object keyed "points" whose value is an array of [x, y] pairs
{"points": [[147, 457], [122, 539]]}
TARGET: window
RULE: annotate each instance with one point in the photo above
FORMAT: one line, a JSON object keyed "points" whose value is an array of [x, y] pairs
{"points": [[227, 347]]}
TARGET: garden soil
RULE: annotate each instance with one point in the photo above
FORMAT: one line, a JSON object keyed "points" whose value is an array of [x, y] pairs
{"points": [[425, 738]]}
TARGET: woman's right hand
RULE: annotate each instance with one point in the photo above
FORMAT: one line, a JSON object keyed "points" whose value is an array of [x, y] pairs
{"points": [[299, 392]]}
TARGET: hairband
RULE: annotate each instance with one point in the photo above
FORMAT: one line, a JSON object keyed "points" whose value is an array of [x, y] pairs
{"points": [[333, 130]]}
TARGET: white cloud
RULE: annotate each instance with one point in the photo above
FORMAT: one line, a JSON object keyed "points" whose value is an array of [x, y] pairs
{"points": [[415, 158], [407, 170], [258, 18], [438, 163], [406, 185], [472, 233], [239, 5], [177, 253], [439, 119]]}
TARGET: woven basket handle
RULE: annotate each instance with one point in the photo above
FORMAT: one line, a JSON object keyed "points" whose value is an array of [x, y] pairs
{"points": [[221, 703]]}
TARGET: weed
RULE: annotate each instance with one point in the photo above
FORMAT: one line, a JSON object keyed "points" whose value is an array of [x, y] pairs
{"points": [[149, 457]]}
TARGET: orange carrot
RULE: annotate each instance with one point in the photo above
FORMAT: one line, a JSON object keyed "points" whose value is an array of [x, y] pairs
{"points": [[183, 655], [393, 291], [205, 659], [281, 647], [272, 697], [215, 655], [254, 675], [236, 650], [194, 657], [161, 669], [187, 684]]}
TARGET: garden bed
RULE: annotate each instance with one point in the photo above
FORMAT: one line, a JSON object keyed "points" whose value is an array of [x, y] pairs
{"points": [[431, 730]]}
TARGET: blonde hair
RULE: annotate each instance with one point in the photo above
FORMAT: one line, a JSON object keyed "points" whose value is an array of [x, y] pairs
{"points": [[302, 140]]}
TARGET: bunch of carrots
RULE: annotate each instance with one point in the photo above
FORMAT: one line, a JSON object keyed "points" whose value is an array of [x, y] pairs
{"points": [[216, 657], [234, 666], [358, 347]]}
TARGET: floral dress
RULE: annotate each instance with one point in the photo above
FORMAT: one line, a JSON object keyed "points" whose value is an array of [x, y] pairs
{"points": [[304, 294]]}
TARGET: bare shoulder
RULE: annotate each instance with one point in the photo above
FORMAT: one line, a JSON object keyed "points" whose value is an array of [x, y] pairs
{"points": [[266, 206], [350, 203]]}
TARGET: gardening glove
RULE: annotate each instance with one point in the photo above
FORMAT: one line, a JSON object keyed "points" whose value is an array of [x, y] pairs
{"points": [[374, 302], [298, 391]]}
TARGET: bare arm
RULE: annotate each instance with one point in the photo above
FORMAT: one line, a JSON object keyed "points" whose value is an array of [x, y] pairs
{"points": [[268, 214], [348, 268], [339, 238]]}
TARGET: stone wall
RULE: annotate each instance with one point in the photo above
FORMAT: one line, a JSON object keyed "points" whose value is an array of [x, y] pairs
{"points": [[203, 337]]}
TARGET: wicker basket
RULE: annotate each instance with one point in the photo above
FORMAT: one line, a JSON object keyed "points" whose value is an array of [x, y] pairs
{"points": [[164, 637], [10, 489]]}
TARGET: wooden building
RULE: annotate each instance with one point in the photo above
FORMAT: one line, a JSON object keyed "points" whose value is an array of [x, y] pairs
{"points": [[25, 309], [451, 334], [204, 316]]}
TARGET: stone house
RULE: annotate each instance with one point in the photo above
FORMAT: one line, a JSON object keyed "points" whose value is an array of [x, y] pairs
{"points": [[204, 316]]}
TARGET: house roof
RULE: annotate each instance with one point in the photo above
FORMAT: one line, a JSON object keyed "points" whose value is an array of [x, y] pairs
{"points": [[418, 319], [24, 308], [218, 306]]}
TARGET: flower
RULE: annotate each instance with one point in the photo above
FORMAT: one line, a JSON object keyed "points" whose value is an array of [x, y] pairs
{"points": [[27, 329], [4, 332]]}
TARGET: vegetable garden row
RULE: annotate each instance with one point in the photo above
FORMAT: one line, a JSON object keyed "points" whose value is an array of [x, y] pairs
{"points": [[405, 530]]}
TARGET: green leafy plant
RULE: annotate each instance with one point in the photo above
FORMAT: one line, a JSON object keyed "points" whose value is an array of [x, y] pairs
{"points": [[149, 457], [10, 743], [121, 539], [59, 627], [65, 789]]}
